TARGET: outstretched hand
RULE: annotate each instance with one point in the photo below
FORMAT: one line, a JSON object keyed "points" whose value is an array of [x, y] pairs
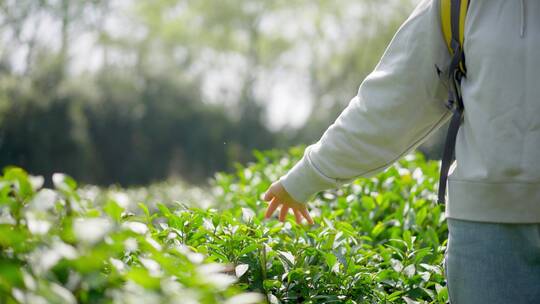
{"points": [[277, 195]]}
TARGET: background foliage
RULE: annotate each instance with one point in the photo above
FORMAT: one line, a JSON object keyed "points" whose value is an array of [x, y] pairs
{"points": [[135, 91]]}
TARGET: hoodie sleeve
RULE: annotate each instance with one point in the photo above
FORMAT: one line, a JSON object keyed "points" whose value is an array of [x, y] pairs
{"points": [[398, 106]]}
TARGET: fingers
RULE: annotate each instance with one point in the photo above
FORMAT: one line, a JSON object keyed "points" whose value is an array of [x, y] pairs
{"points": [[268, 195], [272, 191], [271, 208], [283, 213], [299, 212], [305, 213], [298, 216]]}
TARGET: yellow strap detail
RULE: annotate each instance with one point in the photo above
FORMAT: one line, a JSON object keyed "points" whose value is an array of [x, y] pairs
{"points": [[463, 15], [446, 22]]}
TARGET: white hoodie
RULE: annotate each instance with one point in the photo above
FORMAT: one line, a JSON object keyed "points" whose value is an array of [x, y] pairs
{"points": [[402, 102]]}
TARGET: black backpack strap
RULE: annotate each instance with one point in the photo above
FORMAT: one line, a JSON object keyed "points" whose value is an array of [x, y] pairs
{"points": [[455, 102]]}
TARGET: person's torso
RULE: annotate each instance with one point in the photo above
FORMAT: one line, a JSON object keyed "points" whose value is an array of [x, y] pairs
{"points": [[499, 140]]}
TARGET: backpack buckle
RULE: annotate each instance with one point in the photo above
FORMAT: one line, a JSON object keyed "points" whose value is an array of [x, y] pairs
{"points": [[450, 104]]}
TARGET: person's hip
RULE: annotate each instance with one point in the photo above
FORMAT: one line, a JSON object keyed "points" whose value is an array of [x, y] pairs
{"points": [[492, 262]]}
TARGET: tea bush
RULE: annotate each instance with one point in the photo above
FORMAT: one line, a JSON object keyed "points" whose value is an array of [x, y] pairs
{"points": [[377, 240]]}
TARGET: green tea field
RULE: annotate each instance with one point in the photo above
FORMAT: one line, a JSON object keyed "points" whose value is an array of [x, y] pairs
{"points": [[377, 240]]}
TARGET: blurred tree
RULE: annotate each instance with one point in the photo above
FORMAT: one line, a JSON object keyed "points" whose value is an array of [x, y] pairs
{"points": [[181, 87], [345, 55], [340, 41], [22, 22]]}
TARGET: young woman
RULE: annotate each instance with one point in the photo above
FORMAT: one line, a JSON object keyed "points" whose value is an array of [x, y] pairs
{"points": [[493, 208]]}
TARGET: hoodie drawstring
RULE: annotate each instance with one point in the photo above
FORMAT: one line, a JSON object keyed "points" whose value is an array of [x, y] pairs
{"points": [[522, 33]]}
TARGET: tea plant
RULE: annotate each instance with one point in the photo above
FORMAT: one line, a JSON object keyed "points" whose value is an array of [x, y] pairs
{"points": [[57, 247], [377, 240]]}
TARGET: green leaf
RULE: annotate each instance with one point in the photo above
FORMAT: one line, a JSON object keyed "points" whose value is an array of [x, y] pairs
{"points": [[64, 182], [144, 208], [141, 276], [241, 269], [378, 229], [21, 181], [287, 259], [270, 284], [113, 210], [330, 260], [248, 249], [10, 275]]}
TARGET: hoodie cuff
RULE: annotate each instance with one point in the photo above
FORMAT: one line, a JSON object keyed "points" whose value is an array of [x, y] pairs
{"points": [[303, 181]]}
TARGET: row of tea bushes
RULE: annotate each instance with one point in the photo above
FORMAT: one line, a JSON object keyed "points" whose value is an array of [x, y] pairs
{"points": [[377, 240]]}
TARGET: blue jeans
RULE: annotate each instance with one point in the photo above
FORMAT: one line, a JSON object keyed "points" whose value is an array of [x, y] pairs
{"points": [[492, 262]]}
